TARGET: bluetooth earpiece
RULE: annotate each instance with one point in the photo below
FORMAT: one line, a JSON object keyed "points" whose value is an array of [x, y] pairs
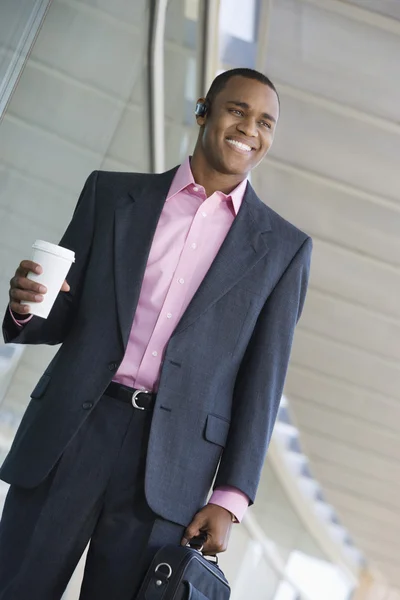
{"points": [[201, 109]]}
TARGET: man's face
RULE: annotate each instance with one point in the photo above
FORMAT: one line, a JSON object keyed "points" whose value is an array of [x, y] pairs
{"points": [[239, 130]]}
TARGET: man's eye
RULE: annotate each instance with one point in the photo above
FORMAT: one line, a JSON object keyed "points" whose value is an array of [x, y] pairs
{"points": [[236, 112], [266, 124]]}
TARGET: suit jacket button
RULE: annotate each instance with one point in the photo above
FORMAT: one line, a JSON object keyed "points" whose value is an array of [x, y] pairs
{"points": [[113, 366], [87, 405]]}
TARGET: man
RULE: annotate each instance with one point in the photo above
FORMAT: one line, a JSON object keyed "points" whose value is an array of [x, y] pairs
{"points": [[186, 286]]}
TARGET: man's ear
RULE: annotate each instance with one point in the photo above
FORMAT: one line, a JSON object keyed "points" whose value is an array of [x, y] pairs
{"points": [[201, 121]]}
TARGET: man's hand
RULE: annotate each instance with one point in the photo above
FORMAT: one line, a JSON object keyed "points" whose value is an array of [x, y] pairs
{"points": [[24, 289], [216, 523]]}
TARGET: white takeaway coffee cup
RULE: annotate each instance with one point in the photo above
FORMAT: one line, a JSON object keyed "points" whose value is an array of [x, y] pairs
{"points": [[55, 262]]}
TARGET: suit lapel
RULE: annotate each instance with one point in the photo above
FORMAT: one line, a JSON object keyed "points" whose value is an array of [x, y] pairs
{"points": [[244, 245], [135, 224]]}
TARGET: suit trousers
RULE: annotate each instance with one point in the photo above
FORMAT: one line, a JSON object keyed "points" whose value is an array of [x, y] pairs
{"points": [[95, 493]]}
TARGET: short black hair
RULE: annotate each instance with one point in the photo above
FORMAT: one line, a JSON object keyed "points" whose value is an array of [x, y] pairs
{"points": [[221, 80]]}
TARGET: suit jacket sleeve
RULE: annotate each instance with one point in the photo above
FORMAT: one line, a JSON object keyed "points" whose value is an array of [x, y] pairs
{"points": [[78, 237], [260, 380]]}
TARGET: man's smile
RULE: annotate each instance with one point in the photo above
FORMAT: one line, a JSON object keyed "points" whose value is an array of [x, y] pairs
{"points": [[242, 147]]}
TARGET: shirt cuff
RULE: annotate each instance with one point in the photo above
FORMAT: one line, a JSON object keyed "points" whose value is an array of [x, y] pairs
{"points": [[232, 499], [19, 322]]}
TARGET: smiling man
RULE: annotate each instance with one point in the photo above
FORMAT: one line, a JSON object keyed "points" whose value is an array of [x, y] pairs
{"points": [[175, 327]]}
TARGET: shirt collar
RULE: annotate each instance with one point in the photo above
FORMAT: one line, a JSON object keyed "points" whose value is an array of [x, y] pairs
{"points": [[184, 178]]}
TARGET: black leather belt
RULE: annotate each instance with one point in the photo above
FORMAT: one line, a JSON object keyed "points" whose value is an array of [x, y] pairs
{"points": [[140, 399]]}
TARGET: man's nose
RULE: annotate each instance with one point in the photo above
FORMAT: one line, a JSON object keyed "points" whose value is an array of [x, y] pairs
{"points": [[248, 127]]}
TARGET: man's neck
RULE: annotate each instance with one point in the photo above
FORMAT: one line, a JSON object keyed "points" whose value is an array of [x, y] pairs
{"points": [[211, 180]]}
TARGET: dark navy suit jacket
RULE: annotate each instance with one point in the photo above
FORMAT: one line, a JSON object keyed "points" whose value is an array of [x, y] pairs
{"points": [[224, 367]]}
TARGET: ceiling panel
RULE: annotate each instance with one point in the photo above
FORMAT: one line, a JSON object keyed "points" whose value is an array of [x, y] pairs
{"points": [[340, 214], [123, 11], [344, 397], [347, 363], [367, 508], [331, 475], [372, 512], [338, 146], [352, 276], [344, 428], [325, 53], [370, 463], [43, 155], [353, 324], [94, 128], [371, 530], [114, 44], [388, 551], [390, 8]]}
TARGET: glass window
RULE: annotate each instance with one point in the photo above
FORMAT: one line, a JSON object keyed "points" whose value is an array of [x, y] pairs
{"points": [[181, 64], [19, 24], [238, 33], [80, 105]]}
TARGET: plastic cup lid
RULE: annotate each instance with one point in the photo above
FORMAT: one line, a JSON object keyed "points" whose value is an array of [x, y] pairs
{"points": [[54, 249]]}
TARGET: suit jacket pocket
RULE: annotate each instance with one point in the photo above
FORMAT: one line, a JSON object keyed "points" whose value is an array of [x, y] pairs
{"points": [[216, 430], [41, 386]]}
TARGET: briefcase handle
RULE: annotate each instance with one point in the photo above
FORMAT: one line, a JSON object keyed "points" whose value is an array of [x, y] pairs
{"points": [[197, 543]]}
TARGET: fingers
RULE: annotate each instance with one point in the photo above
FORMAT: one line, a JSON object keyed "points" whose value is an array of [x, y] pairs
{"points": [[18, 295], [193, 530], [214, 546], [28, 265], [23, 289], [215, 541], [25, 285], [20, 309]]}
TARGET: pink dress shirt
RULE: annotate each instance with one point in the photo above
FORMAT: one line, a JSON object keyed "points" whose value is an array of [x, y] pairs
{"points": [[189, 233]]}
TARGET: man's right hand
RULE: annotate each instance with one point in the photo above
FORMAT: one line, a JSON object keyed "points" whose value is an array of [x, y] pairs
{"points": [[23, 289]]}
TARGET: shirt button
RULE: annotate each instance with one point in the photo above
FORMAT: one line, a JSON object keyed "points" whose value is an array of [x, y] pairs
{"points": [[87, 405], [181, 280], [113, 366], [169, 315], [194, 246], [155, 353], [195, 188], [204, 214]]}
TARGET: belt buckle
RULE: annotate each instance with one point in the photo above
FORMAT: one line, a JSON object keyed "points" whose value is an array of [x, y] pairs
{"points": [[135, 395]]}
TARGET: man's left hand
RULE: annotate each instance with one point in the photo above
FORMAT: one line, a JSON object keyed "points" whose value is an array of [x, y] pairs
{"points": [[216, 523]]}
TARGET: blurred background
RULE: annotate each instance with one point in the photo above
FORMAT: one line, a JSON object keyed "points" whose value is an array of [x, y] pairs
{"points": [[94, 84]]}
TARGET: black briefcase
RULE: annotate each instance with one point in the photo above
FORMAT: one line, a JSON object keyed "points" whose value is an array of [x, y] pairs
{"points": [[183, 573]]}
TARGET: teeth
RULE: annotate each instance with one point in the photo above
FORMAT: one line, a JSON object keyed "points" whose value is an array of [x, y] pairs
{"points": [[240, 145]]}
